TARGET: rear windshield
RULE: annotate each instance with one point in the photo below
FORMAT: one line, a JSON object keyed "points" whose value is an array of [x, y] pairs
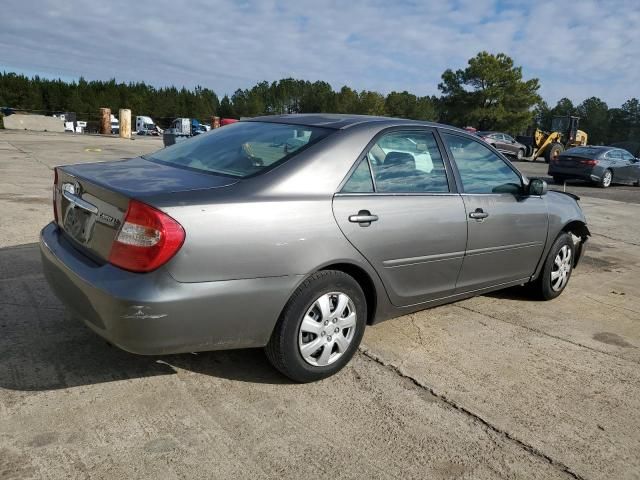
{"points": [[584, 151], [241, 149]]}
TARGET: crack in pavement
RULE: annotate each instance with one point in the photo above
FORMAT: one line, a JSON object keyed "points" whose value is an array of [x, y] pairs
{"points": [[540, 332], [611, 305], [451, 403], [31, 156], [616, 239]]}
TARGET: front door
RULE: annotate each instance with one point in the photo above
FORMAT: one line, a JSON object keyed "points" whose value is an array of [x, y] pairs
{"points": [[506, 230], [627, 171], [398, 210]]}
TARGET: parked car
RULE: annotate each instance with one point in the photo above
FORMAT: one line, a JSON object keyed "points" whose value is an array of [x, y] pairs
{"points": [[504, 143], [293, 232], [603, 166], [148, 132]]}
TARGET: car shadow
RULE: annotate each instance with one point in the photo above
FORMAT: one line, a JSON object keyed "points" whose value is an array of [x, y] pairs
{"points": [[43, 348], [521, 293]]}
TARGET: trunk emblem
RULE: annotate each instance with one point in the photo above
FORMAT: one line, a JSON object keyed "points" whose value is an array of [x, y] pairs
{"points": [[72, 188], [108, 219]]}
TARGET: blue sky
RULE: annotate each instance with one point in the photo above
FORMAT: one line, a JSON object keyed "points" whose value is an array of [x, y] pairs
{"points": [[577, 48]]}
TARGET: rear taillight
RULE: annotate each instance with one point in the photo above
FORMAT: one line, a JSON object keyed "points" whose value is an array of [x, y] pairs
{"points": [[589, 162], [55, 194], [147, 239]]}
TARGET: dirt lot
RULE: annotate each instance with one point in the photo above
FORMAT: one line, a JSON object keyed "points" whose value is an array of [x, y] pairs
{"points": [[493, 387]]}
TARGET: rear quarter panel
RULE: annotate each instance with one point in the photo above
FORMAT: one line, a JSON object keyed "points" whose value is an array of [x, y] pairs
{"points": [[257, 237]]}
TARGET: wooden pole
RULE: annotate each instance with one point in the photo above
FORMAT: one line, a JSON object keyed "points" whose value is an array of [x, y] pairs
{"points": [[125, 122], [105, 121]]}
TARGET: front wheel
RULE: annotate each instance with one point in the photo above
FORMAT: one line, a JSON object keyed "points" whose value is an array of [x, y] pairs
{"points": [[553, 152], [320, 328], [557, 268]]}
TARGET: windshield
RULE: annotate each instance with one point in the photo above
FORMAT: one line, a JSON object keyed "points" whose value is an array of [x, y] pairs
{"points": [[560, 124], [241, 149]]}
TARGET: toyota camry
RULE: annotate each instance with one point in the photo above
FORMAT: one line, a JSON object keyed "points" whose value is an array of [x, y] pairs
{"points": [[295, 232]]}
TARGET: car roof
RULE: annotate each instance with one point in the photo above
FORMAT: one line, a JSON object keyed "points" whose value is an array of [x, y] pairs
{"points": [[344, 121]]}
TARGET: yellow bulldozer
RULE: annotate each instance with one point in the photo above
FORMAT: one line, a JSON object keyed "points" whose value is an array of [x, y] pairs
{"points": [[564, 134]]}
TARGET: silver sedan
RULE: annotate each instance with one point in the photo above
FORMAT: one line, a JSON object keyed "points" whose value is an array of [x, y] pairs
{"points": [[294, 232]]}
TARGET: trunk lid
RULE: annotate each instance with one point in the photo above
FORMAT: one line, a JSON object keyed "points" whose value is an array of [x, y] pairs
{"points": [[92, 199], [573, 161]]}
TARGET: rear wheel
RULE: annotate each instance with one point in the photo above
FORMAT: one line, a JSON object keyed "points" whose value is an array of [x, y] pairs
{"points": [[320, 328], [519, 155], [607, 178], [556, 270], [554, 150]]}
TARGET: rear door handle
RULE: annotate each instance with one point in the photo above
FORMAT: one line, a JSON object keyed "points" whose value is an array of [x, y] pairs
{"points": [[364, 218], [479, 214]]}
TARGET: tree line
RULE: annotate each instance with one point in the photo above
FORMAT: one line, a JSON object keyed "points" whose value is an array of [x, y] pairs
{"points": [[489, 94]]}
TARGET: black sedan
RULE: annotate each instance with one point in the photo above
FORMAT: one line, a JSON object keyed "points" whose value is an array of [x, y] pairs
{"points": [[504, 143], [601, 165]]}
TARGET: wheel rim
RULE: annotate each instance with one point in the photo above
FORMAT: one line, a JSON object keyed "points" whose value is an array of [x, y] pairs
{"points": [[519, 155], [327, 329], [561, 269], [606, 180]]}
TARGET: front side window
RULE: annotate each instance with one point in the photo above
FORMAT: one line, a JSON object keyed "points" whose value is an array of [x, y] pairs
{"points": [[481, 170], [407, 162], [241, 149]]}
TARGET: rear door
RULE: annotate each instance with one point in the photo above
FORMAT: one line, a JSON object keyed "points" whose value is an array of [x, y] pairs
{"points": [[506, 230], [400, 209]]}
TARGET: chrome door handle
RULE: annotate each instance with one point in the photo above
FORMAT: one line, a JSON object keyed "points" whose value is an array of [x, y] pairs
{"points": [[479, 214], [364, 218]]}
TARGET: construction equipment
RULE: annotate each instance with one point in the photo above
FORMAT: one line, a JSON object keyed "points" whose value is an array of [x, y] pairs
{"points": [[564, 134]]}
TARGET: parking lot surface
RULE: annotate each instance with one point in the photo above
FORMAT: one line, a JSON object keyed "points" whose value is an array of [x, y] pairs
{"points": [[497, 386]]}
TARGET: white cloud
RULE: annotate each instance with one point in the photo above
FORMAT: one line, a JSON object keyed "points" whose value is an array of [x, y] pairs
{"points": [[577, 50]]}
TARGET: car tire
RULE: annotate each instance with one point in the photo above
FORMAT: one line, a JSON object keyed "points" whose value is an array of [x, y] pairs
{"points": [[556, 270], [312, 318], [553, 151], [520, 155], [607, 178]]}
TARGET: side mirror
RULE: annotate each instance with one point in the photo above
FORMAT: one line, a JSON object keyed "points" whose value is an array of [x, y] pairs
{"points": [[537, 186]]}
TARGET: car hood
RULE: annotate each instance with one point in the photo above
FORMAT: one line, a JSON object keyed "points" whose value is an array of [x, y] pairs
{"points": [[139, 177]]}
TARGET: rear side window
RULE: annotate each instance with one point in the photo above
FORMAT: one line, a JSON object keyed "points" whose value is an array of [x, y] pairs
{"points": [[360, 180], [481, 170], [241, 149], [407, 162]]}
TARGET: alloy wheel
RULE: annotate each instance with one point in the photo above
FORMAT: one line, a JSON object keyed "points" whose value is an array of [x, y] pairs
{"points": [[561, 269], [606, 180], [327, 329]]}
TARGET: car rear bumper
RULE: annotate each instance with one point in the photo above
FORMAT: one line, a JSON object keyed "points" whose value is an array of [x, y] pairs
{"points": [[583, 173], [152, 313]]}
